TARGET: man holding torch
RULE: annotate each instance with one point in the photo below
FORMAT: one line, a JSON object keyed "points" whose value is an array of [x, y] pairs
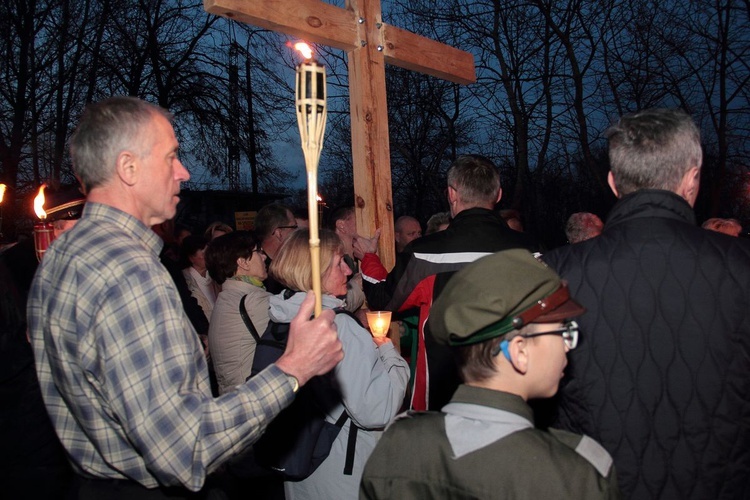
{"points": [[122, 372]]}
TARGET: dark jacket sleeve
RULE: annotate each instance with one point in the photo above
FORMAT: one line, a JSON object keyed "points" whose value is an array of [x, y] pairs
{"points": [[379, 293]]}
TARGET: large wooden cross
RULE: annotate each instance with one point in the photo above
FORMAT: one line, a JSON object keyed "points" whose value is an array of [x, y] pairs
{"points": [[369, 42]]}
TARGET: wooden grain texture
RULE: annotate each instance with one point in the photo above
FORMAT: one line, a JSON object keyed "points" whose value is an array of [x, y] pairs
{"points": [[359, 30]]}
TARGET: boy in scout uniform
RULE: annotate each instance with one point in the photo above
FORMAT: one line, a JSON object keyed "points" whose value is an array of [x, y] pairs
{"points": [[507, 318]]}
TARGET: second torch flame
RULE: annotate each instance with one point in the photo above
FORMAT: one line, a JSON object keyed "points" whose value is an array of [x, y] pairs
{"points": [[39, 203], [44, 232]]}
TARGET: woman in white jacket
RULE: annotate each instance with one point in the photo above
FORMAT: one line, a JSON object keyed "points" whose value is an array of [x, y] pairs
{"points": [[236, 261], [370, 381]]}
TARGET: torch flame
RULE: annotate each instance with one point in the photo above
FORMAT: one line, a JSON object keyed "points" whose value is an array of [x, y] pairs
{"points": [[304, 49], [2, 192], [39, 203], [320, 198]]}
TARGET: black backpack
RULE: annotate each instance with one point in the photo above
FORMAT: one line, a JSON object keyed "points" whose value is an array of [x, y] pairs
{"points": [[299, 439]]}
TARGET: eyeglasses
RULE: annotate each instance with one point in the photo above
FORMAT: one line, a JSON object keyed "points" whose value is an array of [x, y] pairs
{"points": [[287, 227], [569, 334]]}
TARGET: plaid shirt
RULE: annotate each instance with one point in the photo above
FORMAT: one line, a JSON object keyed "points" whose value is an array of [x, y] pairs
{"points": [[122, 371]]}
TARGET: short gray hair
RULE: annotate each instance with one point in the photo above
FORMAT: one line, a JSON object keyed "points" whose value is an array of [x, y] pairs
{"points": [[437, 220], [653, 149], [476, 180], [582, 226], [107, 128]]}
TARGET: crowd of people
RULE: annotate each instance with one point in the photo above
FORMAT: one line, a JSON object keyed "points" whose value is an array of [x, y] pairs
{"points": [[616, 366]]}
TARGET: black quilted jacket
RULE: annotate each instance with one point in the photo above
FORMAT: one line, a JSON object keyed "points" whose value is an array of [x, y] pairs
{"points": [[661, 375]]}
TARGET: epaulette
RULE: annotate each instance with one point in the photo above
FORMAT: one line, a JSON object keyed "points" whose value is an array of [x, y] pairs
{"points": [[588, 448]]}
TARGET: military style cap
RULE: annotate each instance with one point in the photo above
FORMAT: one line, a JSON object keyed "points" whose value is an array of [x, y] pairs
{"points": [[498, 294], [63, 203]]}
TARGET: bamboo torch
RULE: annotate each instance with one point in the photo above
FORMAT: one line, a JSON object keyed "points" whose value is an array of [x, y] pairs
{"points": [[311, 118]]}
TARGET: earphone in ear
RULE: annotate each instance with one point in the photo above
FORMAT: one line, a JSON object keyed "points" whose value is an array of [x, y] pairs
{"points": [[504, 347]]}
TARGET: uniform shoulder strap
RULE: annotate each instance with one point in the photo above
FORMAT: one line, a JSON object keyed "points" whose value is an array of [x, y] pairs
{"points": [[588, 448]]}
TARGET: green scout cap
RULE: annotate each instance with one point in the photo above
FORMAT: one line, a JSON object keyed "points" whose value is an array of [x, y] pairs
{"points": [[498, 294]]}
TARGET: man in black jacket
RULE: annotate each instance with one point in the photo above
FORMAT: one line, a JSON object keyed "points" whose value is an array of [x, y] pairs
{"points": [[476, 230], [660, 376]]}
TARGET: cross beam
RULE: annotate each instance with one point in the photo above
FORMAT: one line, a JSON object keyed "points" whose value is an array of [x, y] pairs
{"points": [[359, 30]]}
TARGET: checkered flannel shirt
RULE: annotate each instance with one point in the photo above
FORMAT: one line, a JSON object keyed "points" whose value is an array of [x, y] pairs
{"points": [[121, 369]]}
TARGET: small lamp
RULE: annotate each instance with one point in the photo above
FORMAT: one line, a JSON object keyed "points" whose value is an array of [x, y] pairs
{"points": [[379, 322]]}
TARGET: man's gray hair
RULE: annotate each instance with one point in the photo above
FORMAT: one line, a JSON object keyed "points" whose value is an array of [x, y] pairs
{"points": [[107, 128], [476, 180], [582, 226], [653, 149]]}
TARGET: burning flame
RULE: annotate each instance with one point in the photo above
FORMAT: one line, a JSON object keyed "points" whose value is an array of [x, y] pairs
{"points": [[39, 203], [304, 49], [320, 198], [2, 192]]}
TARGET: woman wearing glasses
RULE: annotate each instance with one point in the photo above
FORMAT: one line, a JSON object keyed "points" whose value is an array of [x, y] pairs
{"points": [[236, 262]]}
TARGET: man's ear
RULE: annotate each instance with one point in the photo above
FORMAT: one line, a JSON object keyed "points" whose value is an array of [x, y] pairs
{"points": [[690, 185], [612, 185], [499, 195], [128, 167], [452, 195]]}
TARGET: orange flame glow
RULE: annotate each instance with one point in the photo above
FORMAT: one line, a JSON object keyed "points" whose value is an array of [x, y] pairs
{"points": [[2, 192], [304, 49], [39, 203], [320, 198]]}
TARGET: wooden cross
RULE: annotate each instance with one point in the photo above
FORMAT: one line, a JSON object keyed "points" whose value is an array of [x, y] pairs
{"points": [[369, 43]]}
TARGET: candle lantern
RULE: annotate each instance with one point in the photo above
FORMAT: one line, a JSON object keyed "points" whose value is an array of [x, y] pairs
{"points": [[44, 232], [379, 322], [311, 111]]}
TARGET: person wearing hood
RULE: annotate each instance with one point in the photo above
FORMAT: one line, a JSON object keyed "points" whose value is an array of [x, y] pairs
{"points": [[369, 383]]}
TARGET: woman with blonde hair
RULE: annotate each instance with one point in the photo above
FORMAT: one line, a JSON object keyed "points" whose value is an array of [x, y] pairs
{"points": [[369, 383]]}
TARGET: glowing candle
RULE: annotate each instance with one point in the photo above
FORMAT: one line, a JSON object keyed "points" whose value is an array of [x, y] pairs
{"points": [[379, 322]]}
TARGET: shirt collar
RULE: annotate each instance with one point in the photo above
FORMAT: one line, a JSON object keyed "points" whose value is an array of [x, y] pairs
{"points": [[493, 399], [98, 213]]}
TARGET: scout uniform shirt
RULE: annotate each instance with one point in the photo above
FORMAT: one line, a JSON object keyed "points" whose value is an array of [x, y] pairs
{"points": [[484, 446]]}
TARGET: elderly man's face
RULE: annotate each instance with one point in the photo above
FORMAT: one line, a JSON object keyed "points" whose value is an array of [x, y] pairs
{"points": [[160, 174], [408, 231]]}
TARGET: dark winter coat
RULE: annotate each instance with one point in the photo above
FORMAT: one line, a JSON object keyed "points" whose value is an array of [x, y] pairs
{"points": [[661, 375]]}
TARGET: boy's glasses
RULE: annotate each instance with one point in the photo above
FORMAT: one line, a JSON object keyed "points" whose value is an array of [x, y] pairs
{"points": [[569, 334]]}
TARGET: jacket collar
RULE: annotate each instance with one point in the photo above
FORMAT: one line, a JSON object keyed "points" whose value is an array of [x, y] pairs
{"points": [[650, 203], [493, 399], [475, 212]]}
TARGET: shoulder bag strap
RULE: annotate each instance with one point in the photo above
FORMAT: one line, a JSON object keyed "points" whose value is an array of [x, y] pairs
{"points": [[247, 321]]}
